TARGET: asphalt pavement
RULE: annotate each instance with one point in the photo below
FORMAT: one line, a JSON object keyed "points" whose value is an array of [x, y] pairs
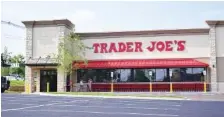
{"points": [[20, 105]]}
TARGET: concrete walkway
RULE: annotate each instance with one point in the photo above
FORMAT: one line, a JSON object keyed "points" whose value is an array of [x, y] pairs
{"points": [[199, 96], [196, 96]]}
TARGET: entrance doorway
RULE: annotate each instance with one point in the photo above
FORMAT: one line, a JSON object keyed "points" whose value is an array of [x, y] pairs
{"points": [[48, 76]]}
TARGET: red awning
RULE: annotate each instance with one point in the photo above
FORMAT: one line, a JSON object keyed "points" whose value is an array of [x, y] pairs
{"points": [[148, 63]]}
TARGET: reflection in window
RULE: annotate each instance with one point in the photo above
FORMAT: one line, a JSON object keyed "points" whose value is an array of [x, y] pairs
{"points": [[152, 76], [187, 74], [176, 75], [122, 75], [161, 75], [140, 75], [198, 74]]}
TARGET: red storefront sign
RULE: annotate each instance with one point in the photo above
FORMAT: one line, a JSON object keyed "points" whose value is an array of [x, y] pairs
{"points": [[137, 46]]}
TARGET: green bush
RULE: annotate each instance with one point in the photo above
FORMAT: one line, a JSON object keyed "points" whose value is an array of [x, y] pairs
{"points": [[17, 83], [17, 88]]}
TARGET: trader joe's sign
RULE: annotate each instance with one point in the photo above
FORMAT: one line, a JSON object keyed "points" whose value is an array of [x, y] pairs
{"points": [[115, 47]]}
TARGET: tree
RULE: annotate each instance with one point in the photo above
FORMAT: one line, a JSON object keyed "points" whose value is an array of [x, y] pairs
{"points": [[5, 58], [5, 62], [19, 59], [4, 71], [70, 48]]}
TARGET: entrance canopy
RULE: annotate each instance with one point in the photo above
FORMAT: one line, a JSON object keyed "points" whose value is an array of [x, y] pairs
{"points": [[147, 63]]}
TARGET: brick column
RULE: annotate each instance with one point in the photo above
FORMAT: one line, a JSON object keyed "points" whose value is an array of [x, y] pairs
{"points": [[61, 81], [37, 80], [29, 53], [74, 79], [212, 39], [29, 42], [29, 81]]}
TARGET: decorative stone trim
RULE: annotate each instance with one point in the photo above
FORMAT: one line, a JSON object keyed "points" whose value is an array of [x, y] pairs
{"points": [[29, 42], [61, 81], [212, 39], [29, 81]]}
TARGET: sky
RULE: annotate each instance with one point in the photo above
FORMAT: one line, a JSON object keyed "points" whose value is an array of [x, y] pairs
{"points": [[102, 16]]}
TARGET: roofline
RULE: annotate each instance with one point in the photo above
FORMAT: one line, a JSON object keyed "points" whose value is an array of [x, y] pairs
{"points": [[41, 64], [49, 22], [145, 32], [215, 22]]}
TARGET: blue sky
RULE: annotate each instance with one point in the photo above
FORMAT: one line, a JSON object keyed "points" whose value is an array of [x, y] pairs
{"points": [[107, 16]]}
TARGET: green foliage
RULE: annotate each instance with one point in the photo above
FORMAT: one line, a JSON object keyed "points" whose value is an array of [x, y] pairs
{"points": [[17, 59], [70, 48], [5, 57], [4, 71], [19, 70], [17, 83]]}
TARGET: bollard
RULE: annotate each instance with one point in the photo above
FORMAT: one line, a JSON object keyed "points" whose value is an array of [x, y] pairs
{"points": [[205, 87], [150, 87], [171, 87], [48, 87], [112, 87], [26, 88]]}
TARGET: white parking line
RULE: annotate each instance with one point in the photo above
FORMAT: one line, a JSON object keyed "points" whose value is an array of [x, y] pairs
{"points": [[34, 100], [176, 109], [13, 103], [134, 103], [29, 104], [36, 106], [107, 113]]}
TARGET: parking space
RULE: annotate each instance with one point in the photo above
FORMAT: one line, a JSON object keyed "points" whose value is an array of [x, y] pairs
{"points": [[35, 106]]}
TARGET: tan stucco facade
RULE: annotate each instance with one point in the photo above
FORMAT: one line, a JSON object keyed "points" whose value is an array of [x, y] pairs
{"points": [[204, 45]]}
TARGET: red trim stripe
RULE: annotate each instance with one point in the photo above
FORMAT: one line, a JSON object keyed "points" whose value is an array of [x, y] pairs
{"points": [[143, 63]]}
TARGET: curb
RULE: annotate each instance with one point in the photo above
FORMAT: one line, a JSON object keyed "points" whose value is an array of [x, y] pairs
{"points": [[111, 97]]}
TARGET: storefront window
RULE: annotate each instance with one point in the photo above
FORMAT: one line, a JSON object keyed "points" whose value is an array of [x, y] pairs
{"points": [[187, 74], [198, 74], [122, 75], [142, 75], [176, 75], [104, 75], [151, 74], [161, 75]]}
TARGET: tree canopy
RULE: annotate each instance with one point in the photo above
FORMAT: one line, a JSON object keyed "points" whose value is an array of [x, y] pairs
{"points": [[7, 59], [70, 49]]}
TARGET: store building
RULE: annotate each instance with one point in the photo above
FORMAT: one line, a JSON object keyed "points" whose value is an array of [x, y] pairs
{"points": [[185, 58]]}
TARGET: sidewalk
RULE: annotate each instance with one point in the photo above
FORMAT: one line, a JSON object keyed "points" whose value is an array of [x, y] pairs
{"points": [[195, 96], [111, 95]]}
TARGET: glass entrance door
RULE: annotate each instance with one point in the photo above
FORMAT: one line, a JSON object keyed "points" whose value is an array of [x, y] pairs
{"points": [[48, 76]]}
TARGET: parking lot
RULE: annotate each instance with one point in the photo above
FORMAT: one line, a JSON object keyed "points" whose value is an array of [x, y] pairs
{"points": [[18, 105]]}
